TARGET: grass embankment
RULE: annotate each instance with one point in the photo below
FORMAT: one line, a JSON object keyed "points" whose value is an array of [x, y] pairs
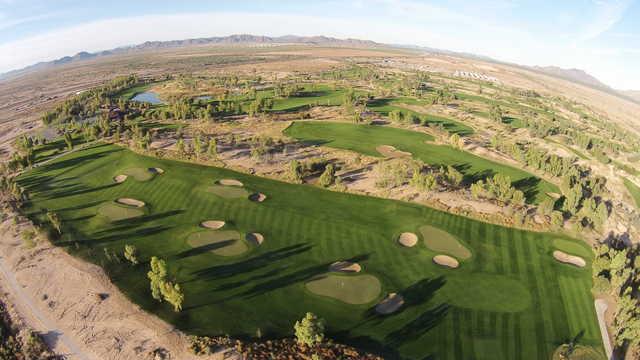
{"points": [[634, 190], [365, 138], [502, 303]]}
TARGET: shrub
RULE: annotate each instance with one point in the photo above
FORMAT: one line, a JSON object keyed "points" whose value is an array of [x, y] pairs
{"points": [[310, 330]]}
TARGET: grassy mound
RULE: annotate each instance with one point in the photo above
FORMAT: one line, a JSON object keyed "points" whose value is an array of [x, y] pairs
{"points": [[139, 173], [223, 243], [573, 247], [228, 192], [116, 212], [441, 241], [359, 289]]}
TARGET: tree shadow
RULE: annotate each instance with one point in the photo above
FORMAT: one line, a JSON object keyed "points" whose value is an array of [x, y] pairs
{"points": [[205, 249], [529, 186]]}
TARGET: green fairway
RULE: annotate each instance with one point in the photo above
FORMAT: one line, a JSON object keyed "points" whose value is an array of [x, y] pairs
{"points": [[350, 289], [316, 94], [365, 138], [442, 242], [116, 212], [510, 300], [228, 192], [223, 243]]}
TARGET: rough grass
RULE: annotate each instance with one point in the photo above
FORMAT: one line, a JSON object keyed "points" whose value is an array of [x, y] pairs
{"points": [[140, 174], [365, 138], [511, 300], [219, 242], [350, 289], [442, 242], [633, 190], [117, 212], [228, 192], [580, 353]]}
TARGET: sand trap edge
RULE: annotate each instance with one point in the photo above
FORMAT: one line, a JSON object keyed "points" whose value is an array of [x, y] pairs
{"points": [[230, 182], [408, 239], [130, 202], [569, 259], [120, 179], [213, 224], [258, 197], [255, 238], [446, 261], [345, 267]]}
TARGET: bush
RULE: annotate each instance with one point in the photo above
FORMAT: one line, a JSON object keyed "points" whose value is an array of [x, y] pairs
{"points": [[310, 330]]}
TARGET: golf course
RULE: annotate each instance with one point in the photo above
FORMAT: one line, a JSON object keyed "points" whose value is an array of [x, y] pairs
{"points": [[253, 255]]}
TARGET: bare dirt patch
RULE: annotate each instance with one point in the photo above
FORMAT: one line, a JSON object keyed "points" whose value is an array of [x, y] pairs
{"points": [[130, 202], [213, 224], [569, 259], [446, 261], [345, 266], [391, 152], [408, 239], [390, 304]]}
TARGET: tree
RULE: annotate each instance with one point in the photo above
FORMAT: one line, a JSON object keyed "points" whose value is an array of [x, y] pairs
{"points": [[456, 141], [310, 330], [295, 171], [68, 139], [157, 277], [197, 145], [173, 294], [213, 148], [55, 221], [453, 176], [327, 177], [131, 254], [180, 147], [495, 113]]}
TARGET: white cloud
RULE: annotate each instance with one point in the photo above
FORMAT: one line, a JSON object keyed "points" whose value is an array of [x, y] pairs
{"points": [[607, 14]]}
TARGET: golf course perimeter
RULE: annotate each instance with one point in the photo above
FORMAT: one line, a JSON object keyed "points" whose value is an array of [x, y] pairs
{"points": [[510, 300]]}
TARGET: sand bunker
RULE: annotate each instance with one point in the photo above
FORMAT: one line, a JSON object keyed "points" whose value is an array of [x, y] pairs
{"points": [[258, 197], [408, 239], [446, 261], [255, 238], [390, 304], [230, 182], [116, 212], [569, 259], [345, 266], [391, 152], [350, 289], [120, 178], [130, 202], [441, 241], [157, 170], [213, 224], [219, 242]]}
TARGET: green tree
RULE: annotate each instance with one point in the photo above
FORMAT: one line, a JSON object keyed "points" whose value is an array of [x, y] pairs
{"points": [[310, 330], [294, 172], [213, 148], [157, 277], [131, 254], [327, 177], [68, 139], [55, 221], [173, 294], [453, 176]]}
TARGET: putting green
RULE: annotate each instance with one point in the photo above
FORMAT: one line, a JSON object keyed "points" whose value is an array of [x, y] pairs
{"points": [[228, 192], [223, 243], [138, 173], [359, 289], [115, 212], [441, 241], [573, 248]]}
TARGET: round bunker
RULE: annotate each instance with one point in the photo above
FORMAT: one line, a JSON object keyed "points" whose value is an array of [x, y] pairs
{"points": [[140, 174], [408, 239], [355, 290], [130, 202], [115, 212], [156, 170], [230, 182], [569, 259], [446, 261], [120, 179], [228, 192], [222, 243], [213, 224], [391, 152], [345, 267], [255, 238], [390, 304], [258, 197], [441, 241]]}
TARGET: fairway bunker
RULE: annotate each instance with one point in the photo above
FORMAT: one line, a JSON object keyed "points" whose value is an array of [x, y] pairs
{"points": [[130, 202], [446, 261], [230, 182], [255, 238], [257, 197], [441, 241], [569, 259], [345, 267], [408, 239], [391, 152], [116, 212], [120, 179], [390, 304], [219, 242], [355, 289], [213, 224], [138, 173]]}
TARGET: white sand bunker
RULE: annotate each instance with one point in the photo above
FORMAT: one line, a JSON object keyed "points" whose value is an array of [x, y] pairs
{"points": [[157, 170], [345, 266], [255, 238], [390, 304], [130, 202], [120, 178], [258, 197], [391, 152], [569, 259], [230, 182], [213, 224], [408, 239], [446, 261]]}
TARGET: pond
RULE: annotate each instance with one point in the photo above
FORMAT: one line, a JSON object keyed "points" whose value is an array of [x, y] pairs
{"points": [[148, 96]]}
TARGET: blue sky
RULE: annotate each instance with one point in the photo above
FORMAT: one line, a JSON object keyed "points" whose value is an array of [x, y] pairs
{"points": [[599, 36]]}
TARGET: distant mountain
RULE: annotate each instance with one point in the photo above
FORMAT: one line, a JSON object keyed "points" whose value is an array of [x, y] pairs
{"points": [[575, 75], [231, 39], [634, 94]]}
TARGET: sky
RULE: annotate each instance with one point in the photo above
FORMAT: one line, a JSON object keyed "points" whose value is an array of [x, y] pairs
{"points": [[601, 37]]}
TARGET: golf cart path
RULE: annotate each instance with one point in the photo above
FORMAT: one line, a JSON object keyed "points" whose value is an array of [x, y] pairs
{"points": [[601, 308]]}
